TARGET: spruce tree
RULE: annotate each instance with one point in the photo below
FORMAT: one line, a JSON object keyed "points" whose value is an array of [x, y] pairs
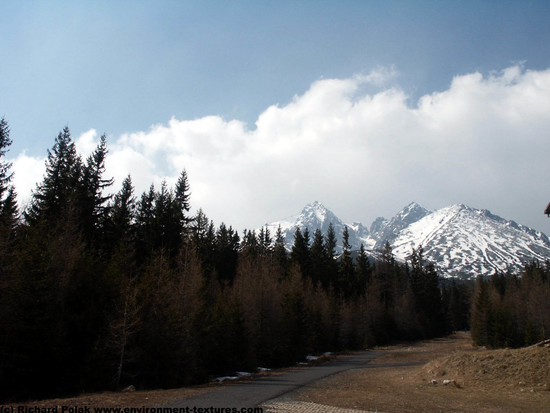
{"points": [[93, 201], [180, 228], [299, 254], [165, 226], [182, 196], [481, 313], [226, 253], [347, 280], [319, 259], [279, 250], [364, 268], [424, 282], [145, 217], [203, 237], [54, 197], [122, 212], [265, 241], [9, 213], [332, 265], [250, 245], [385, 274], [331, 241]]}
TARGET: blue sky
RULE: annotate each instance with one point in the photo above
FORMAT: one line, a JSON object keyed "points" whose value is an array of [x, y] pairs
{"points": [[121, 67]]}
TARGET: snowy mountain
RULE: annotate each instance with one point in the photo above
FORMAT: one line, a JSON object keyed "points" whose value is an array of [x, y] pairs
{"points": [[383, 230], [317, 216], [461, 241], [465, 241]]}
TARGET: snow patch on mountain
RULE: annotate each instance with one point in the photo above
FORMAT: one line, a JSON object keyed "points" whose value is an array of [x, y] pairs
{"points": [[461, 241], [389, 230]]}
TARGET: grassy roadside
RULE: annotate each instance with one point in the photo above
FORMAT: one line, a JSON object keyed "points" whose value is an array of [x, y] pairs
{"points": [[411, 379]]}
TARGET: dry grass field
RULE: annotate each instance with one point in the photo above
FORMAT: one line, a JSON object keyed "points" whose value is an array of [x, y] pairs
{"points": [[443, 375]]}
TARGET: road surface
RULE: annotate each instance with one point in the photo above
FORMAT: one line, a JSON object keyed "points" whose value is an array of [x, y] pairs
{"points": [[257, 392]]}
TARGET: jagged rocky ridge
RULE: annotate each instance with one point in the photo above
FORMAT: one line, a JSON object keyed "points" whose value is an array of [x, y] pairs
{"points": [[461, 241]]}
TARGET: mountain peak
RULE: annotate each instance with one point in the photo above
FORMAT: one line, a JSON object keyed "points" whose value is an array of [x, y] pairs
{"points": [[385, 230], [413, 207], [466, 242], [315, 205], [316, 216], [316, 211], [460, 240], [459, 207]]}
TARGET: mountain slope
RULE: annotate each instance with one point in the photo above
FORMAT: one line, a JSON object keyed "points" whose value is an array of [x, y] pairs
{"points": [[383, 230], [317, 216], [464, 241], [461, 241]]}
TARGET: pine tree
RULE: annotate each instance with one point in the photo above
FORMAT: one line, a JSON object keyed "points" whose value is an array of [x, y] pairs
{"points": [[363, 269], [265, 241], [332, 265], [299, 254], [457, 299], [122, 213], [165, 227], [481, 313], [385, 273], [319, 260], [279, 251], [182, 196], [161, 334], [180, 228], [331, 242], [55, 196], [424, 282], [61, 289], [145, 217], [93, 201], [387, 254], [347, 279], [295, 319], [203, 238], [226, 253], [250, 245]]}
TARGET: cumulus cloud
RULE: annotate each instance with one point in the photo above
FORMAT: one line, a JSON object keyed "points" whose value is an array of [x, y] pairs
{"points": [[483, 142], [27, 172]]}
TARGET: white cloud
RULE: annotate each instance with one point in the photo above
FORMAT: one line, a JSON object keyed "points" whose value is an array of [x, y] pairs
{"points": [[86, 143], [27, 172], [483, 141]]}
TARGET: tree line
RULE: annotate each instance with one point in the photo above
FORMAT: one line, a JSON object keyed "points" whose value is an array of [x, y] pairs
{"points": [[99, 291], [511, 310]]}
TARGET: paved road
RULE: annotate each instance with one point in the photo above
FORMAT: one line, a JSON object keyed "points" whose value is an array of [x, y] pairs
{"points": [[256, 392]]}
